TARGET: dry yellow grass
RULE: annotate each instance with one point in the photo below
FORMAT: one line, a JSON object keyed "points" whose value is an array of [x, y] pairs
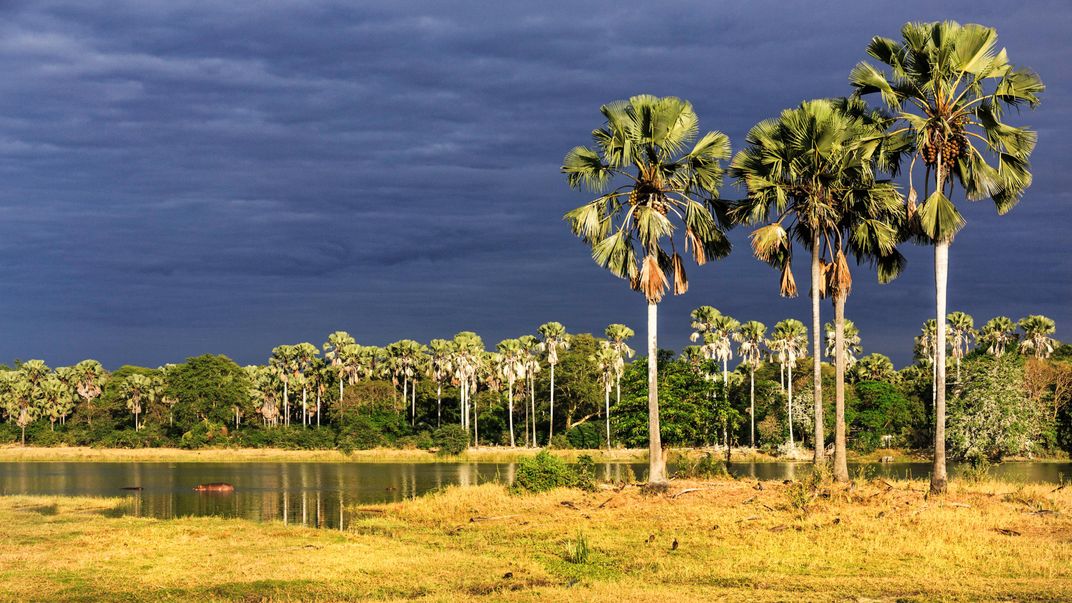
{"points": [[870, 541]]}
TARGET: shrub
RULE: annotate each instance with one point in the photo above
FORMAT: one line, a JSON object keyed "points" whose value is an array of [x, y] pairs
{"points": [[705, 467], [559, 442], [359, 433], [451, 440], [584, 473], [541, 473], [205, 433], [424, 440]]}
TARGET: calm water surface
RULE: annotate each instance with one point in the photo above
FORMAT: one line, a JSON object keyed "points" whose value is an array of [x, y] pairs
{"points": [[317, 494]]}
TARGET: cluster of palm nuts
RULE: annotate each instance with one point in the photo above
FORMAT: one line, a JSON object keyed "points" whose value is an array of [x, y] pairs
{"points": [[949, 144], [657, 203]]}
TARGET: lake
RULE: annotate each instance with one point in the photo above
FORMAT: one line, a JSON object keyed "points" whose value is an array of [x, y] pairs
{"points": [[317, 494]]}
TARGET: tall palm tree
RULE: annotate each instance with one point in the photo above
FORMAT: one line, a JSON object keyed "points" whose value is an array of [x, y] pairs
{"points": [[440, 369], [659, 189], [1037, 330], [617, 334], [555, 339], [961, 332], [997, 334], [513, 369], [606, 362], [17, 396], [790, 338], [951, 86], [813, 170], [751, 337], [56, 399]]}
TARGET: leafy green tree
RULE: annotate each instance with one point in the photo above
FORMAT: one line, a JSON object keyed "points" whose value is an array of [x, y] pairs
{"points": [[646, 180], [991, 417], [951, 86], [208, 388], [883, 415], [688, 416], [1037, 330], [874, 367]]}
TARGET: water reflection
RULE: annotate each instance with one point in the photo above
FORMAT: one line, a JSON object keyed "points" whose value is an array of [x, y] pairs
{"points": [[317, 494]]}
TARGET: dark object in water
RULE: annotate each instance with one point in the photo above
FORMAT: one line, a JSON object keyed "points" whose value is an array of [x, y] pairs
{"points": [[214, 487], [138, 488]]}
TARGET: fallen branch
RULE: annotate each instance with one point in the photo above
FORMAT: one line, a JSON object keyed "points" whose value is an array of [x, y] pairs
{"points": [[687, 490], [496, 518]]}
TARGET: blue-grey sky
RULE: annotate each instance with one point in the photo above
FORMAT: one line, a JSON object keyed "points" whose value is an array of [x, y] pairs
{"points": [[187, 177]]}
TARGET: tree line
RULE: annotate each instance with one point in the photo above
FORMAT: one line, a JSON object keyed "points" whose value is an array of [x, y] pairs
{"points": [[565, 390]]}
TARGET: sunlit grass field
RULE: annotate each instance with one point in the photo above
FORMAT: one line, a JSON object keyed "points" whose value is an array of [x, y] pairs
{"points": [[732, 540]]}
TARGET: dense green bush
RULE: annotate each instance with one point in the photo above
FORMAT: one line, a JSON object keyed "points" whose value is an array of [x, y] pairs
{"points": [[359, 433], [704, 467], [451, 439], [541, 473], [559, 442], [205, 433]]}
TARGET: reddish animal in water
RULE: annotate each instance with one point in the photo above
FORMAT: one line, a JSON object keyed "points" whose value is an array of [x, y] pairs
{"points": [[214, 487]]}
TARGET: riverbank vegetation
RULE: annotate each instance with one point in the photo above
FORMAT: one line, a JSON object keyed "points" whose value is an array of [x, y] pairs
{"points": [[729, 539]]}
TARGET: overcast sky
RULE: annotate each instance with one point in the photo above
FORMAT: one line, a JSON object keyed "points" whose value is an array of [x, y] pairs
{"points": [[180, 177]]}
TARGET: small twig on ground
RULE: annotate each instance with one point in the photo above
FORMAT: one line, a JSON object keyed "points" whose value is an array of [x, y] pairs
{"points": [[476, 519]]}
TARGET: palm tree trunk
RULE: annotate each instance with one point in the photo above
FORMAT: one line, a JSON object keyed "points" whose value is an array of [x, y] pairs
{"points": [[318, 409], [939, 480], [816, 353], [510, 412], [476, 425], [532, 403], [841, 468], [286, 404], [617, 402], [439, 404], [551, 425], [606, 406], [656, 462], [752, 407], [405, 390], [413, 397], [304, 405], [789, 382]]}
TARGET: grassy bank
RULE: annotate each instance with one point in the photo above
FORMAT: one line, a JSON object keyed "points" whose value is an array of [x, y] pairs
{"points": [[876, 540]]}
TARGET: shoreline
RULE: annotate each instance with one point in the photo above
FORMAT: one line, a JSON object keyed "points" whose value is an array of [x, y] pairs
{"points": [[484, 454]]}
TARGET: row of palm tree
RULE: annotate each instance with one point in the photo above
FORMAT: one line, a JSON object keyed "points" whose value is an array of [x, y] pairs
{"points": [[819, 175]]}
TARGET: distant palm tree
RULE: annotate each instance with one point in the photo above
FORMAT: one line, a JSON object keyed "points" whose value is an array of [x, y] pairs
{"points": [[961, 332], [606, 361], [555, 339], [282, 362], [530, 349], [136, 389], [335, 352], [89, 380], [440, 368], [1037, 330], [513, 369], [997, 334], [468, 352], [790, 338], [874, 367], [951, 86], [617, 334], [751, 337], [305, 355], [642, 144], [852, 342]]}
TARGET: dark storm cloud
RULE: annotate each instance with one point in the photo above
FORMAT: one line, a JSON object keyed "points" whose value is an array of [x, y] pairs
{"points": [[188, 177]]}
